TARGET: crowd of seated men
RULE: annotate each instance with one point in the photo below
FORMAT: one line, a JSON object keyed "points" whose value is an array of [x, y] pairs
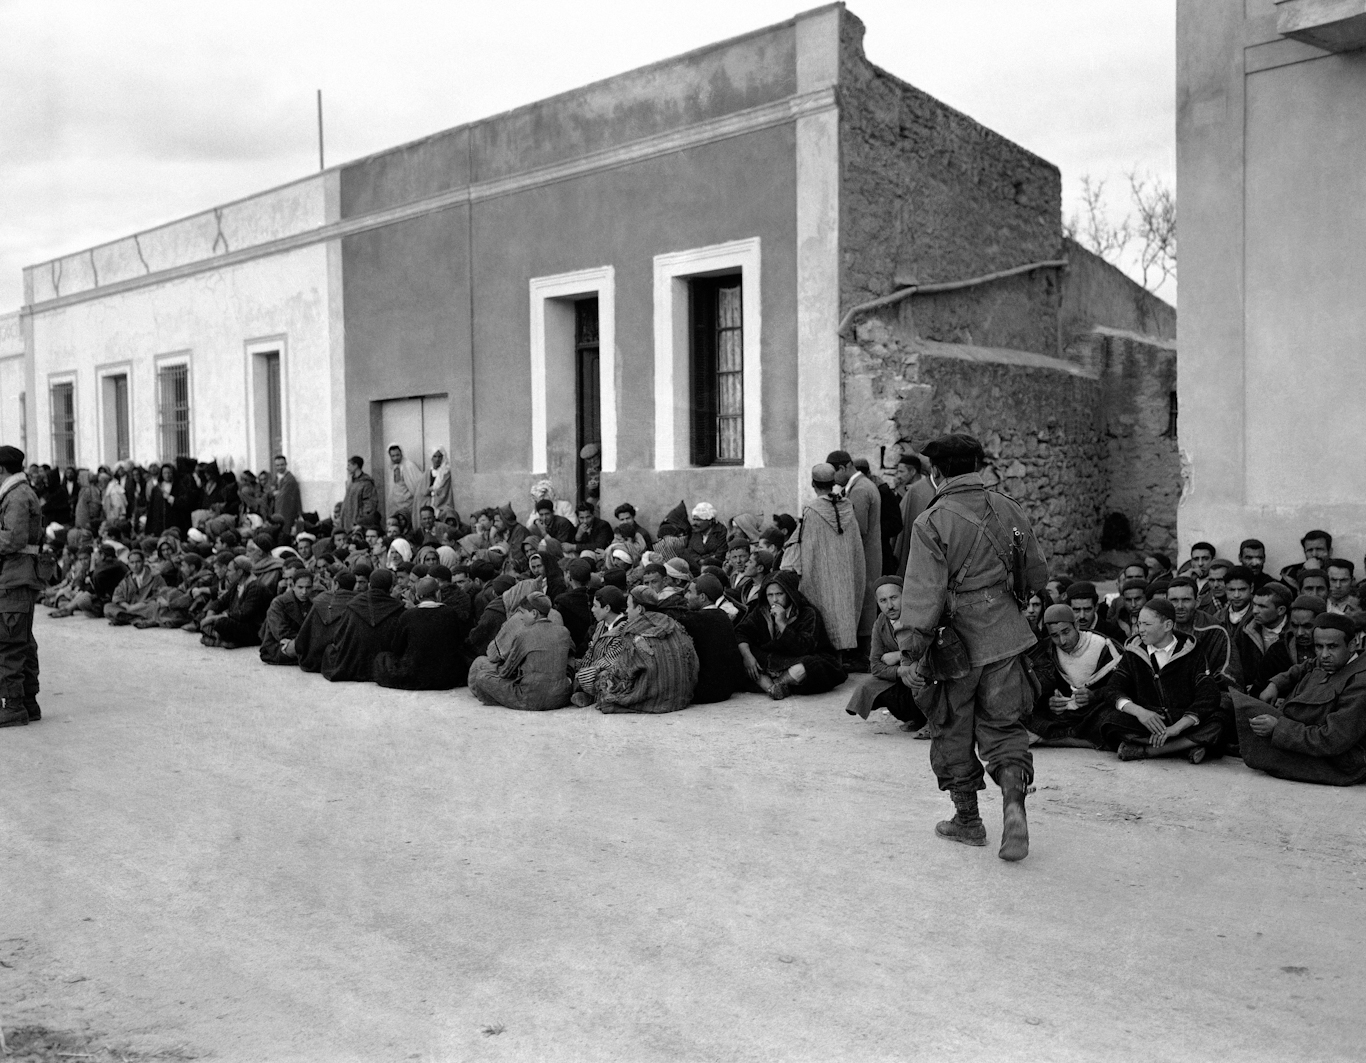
{"points": [[1214, 658], [563, 609]]}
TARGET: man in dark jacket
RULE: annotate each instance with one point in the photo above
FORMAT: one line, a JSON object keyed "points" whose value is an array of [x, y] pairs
{"points": [[550, 525], [1166, 699], [285, 619], [1318, 733], [288, 502], [21, 536], [707, 537], [368, 628], [575, 605], [425, 654], [961, 555], [323, 623], [362, 497], [235, 619], [721, 667]]}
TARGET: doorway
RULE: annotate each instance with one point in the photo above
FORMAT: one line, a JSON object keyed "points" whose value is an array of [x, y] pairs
{"points": [[588, 392], [418, 425], [117, 442]]}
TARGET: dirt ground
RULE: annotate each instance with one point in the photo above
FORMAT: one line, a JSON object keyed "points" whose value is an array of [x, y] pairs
{"points": [[201, 856]]}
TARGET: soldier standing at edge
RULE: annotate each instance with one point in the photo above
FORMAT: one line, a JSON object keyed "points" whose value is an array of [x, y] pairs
{"points": [[21, 535], [972, 552]]}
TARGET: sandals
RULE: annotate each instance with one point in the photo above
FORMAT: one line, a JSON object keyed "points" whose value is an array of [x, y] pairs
{"points": [[778, 690], [1197, 755], [1131, 751]]}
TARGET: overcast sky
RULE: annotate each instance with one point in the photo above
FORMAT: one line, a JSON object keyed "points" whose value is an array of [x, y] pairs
{"points": [[118, 116]]}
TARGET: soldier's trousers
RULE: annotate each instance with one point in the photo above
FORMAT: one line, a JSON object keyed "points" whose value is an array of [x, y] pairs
{"points": [[979, 718], [18, 650]]}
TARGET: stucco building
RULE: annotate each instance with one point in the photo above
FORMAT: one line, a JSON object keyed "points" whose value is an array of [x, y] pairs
{"points": [[637, 285], [1271, 162]]}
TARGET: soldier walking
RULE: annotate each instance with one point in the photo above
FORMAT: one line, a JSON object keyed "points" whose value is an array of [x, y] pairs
{"points": [[21, 534], [972, 562]]}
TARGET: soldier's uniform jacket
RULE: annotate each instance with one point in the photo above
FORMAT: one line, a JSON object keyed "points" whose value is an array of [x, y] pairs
{"points": [[986, 617], [21, 534]]}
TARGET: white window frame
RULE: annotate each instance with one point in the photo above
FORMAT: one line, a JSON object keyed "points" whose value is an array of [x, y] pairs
{"points": [[266, 345], [67, 376], [600, 281], [672, 347], [102, 373], [170, 361]]}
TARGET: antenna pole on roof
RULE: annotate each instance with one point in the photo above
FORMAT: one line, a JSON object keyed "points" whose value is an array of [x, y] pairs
{"points": [[321, 165]]}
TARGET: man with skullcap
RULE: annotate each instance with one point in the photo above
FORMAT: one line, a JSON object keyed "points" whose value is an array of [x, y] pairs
{"points": [[972, 565], [1084, 661], [1318, 732], [21, 536]]}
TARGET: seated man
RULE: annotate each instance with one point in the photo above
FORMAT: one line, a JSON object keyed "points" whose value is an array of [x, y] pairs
{"points": [[285, 618], [657, 668], [784, 644], [235, 618], [1214, 594], [1165, 700], [1252, 556], [323, 623], [1133, 596], [1084, 661], [423, 656], [1197, 568], [1318, 734], [106, 573], [368, 626], [1341, 573], [1260, 634], [1210, 638], [1238, 590], [529, 669], [1314, 581], [707, 535], [721, 669], [575, 605], [1083, 598], [885, 690], [550, 525], [592, 532], [1318, 548], [605, 643], [135, 598]]}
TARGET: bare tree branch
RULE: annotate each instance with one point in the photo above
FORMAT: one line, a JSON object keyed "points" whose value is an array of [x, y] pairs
{"points": [[1156, 226]]}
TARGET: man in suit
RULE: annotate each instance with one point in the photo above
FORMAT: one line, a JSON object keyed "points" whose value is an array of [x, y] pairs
{"points": [[288, 504], [867, 502]]}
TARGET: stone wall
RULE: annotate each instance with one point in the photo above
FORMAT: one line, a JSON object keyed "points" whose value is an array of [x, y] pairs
{"points": [[1097, 293], [1142, 459], [1039, 417], [929, 195]]}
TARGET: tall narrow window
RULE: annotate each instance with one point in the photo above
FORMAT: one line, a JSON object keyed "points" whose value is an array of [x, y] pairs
{"points": [[718, 374], [114, 395], [589, 397], [63, 424], [173, 411], [275, 424]]}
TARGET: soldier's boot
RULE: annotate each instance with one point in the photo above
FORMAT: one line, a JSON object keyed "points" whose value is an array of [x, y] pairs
{"points": [[13, 712], [1014, 827], [966, 825]]}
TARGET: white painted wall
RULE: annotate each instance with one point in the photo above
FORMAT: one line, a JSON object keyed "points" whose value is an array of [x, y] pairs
{"points": [[215, 316], [279, 212]]}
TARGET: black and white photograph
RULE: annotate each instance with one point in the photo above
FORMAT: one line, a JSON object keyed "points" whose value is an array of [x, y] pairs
{"points": [[713, 532]]}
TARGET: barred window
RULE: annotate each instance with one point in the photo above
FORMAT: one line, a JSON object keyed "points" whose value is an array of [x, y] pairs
{"points": [[173, 411], [718, 372], [63, 424]]}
